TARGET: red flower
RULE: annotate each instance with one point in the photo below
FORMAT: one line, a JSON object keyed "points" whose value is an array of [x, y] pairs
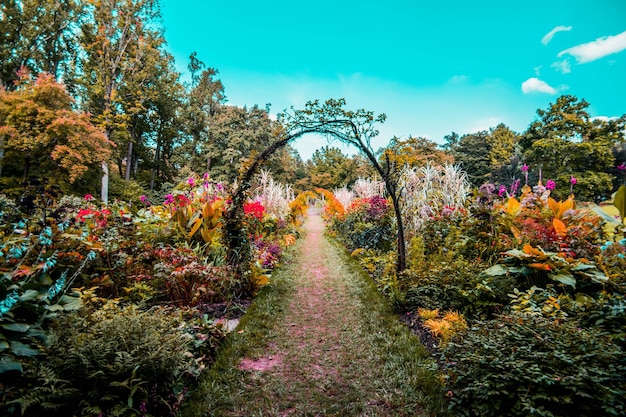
{"points": [[255, 209]]}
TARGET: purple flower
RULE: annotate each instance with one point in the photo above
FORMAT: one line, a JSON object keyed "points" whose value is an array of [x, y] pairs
{"points": [[501, 190], [191, 181], [573, 180], [622, 167], [514, 187], [524, 168], [169, 199], [205, 176], [550, 185]]}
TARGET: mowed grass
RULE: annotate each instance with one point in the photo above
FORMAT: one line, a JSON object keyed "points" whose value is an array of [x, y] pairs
{"points": [[329, 345]]}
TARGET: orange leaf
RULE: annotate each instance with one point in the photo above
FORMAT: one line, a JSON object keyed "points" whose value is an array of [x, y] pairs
{"points": [[540, 266], [559, 226]]}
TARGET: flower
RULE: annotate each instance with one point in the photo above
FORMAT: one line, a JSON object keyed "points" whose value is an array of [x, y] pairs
{"points": [[573, 180], [144, 199], [191, 181], [622, 167], [169, 199], [205, 176], [501, 190], [524, 168], [550, 185], [88, 197]]}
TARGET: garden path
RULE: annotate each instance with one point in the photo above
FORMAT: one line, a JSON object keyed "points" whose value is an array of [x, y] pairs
{"points": [[330, 353]]}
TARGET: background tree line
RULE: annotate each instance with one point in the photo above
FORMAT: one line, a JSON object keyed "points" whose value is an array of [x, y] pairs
{"points": [[110, 72]]}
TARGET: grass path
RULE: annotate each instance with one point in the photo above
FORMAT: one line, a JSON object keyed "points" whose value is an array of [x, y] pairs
{"points": [[319, 341]]}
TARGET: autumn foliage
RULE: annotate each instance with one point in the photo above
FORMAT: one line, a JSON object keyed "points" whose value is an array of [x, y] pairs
{"points": [[38, 125]]}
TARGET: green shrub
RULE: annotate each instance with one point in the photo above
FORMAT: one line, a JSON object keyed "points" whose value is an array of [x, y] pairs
{"points": [[121, 362], [534, 366]]}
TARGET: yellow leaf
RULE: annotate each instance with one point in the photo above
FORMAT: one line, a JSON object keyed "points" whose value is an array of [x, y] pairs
{"points": [[195, 228], [513, 206], [290, 240], [516, 233], [262, 280]]}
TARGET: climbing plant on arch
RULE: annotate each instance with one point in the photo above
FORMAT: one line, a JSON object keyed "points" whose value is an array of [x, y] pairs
{"points": [[333, 120]]}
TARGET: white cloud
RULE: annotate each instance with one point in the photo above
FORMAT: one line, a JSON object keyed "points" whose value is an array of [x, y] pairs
{"points": [[601, 47], [538, 70], [562, 66], [535, 85], [546, 39]]}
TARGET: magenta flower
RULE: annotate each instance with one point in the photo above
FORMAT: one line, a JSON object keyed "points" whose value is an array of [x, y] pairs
{"points": [[169, 199], [205, 176], [191, 181], [501, 190], [622, 167], [88, 197], [550, 185], [572, 182], [144, 199], [525, 171]]}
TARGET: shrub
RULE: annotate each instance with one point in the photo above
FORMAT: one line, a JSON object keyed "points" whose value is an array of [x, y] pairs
{"points": [[534, 366], [121, 362]]}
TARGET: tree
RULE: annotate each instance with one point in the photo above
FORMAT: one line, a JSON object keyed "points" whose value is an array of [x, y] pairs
{"points": [[40, 128], [115, 44], [486, 156], [417, 152], [206, 96], [329, 168], [40, 35], [565, 142]]}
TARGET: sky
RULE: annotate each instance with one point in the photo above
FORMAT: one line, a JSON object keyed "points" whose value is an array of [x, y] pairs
{"points": [[433, 67]]}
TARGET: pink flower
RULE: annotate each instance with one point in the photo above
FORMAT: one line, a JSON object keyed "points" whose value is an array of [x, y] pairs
{"points": [[169, 199], [622, 167], [524, 168], [550, 185], [573, 181], [501, 190], [88, 197], [191, 181]]}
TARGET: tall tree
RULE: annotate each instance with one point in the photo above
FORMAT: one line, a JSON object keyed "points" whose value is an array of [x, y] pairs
{"points": [[40, 35], [115, 43], [564, 142]]}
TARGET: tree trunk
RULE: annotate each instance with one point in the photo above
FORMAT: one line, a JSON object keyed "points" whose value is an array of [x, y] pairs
{"points": [[129, 160], [401, 261], [104, 195]]}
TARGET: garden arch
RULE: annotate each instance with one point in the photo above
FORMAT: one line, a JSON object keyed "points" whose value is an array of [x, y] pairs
{"points": [[330, 119]]}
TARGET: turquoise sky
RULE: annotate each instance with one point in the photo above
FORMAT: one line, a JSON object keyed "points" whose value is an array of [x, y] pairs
{"points": [[433, 67]]}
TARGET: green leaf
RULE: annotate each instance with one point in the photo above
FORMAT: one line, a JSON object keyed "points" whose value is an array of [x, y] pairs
{"points": [[495, 271], [516, 253], [16, 327], [70, 303], [619, 200], [583, 267], [21, 349], [8, 364], [4, 345], [29, 295], [566, 279]]}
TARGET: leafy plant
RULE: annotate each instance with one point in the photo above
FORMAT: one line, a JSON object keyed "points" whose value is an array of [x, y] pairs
{"points": [[534, 366]]}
